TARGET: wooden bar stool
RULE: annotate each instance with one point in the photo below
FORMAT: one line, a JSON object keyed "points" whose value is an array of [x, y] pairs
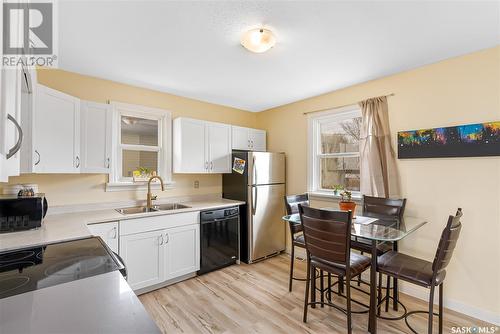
{"points": [[327, 236], [297, 239], [421, 272]]}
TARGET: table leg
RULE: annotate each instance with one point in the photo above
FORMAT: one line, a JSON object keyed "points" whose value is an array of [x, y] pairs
{"points": [[372, 319]]}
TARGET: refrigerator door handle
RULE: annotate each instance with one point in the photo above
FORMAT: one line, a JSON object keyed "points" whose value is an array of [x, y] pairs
{"points": [[254, 171], [254, 200]]}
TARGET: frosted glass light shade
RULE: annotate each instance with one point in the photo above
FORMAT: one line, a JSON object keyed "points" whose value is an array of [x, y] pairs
{"points": [[258, 40]]}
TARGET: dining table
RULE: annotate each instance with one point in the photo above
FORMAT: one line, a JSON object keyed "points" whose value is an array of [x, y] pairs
{"points": [[375, 230]]}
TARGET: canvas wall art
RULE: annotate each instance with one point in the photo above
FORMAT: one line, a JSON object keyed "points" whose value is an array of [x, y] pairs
{"points": [[471, 140]]}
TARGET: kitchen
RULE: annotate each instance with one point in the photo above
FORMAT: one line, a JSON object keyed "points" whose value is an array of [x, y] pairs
{"points": [[169, 183]]}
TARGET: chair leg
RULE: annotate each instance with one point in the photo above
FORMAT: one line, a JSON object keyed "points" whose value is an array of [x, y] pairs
{"points": [[379, 293], [322, 288], [395, 294], [329, 290], [306, 298], [348, 292], [387, 293], [313, 286], [359, 277], [292, 260], [441, 308], [431, 308]]}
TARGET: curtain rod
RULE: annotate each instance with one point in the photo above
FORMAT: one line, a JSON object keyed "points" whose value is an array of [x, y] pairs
{"points": [[345, 105]]}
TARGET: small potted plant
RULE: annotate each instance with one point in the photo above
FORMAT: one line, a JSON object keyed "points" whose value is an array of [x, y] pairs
{"points": [[346, 203], [337, 188]]}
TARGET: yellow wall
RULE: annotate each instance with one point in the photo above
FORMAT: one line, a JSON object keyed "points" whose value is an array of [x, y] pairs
{"points": [[89, 188], [456, 91]]}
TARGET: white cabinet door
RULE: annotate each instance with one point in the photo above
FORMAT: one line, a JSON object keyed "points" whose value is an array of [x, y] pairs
{"points": [[10, 128], [257, 139], [240, 140], [95, 137], [189, 146], [248, 139], [56, 140], [144, 257], [108, 232], [219, 147], [182, 250]]}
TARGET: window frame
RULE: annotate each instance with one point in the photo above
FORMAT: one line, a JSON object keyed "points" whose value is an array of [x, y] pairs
{"points": [[314, 145], [164, 147]]}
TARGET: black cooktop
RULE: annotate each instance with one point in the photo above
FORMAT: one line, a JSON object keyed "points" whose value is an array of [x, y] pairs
{"points": [[36, 268]]}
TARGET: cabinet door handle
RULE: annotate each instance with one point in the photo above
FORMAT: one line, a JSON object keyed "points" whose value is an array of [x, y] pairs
{"points": [[16, 147], [77, 161], [206, 165], [107, 163], [252, 143], [38, 161], [211, 165], [167, 237], [115, 232], [248, 143], [160, 239]]}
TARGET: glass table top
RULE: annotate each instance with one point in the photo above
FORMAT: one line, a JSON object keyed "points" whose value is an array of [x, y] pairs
{"points": [[377, 228]]}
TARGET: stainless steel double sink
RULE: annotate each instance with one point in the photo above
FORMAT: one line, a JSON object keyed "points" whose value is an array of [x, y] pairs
{"points": [[155, 208]]}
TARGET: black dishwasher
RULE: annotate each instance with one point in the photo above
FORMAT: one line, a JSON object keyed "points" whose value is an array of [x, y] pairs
{"points": [[219, 238]]}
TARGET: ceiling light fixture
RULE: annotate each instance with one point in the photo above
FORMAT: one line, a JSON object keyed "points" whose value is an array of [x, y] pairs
{"points": [[258, 40]]}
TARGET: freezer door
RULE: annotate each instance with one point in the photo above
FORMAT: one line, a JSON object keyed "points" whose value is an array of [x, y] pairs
{"points": [[266, 228], [266, 168]]}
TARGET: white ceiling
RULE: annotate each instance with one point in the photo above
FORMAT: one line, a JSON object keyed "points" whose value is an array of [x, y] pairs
{"points": [[192, 48]]}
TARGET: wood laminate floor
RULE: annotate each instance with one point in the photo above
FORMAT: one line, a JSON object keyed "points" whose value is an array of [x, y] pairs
{"points": [[255, 299]]}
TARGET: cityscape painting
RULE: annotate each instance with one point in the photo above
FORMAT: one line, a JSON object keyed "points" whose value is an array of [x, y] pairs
{"points": [[471, 140]]}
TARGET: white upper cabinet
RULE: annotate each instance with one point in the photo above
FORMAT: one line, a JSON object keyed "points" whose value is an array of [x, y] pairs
{"points": [[55, 138], [201, 147], [189, 146], [95, 139], [11, 133], [248, 139], [219, 147]]}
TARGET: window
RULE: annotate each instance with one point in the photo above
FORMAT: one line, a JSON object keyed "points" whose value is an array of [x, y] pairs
{"points": [[334, 149], [141, 142]]}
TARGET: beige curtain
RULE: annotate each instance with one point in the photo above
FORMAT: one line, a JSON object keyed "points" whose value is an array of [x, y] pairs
{"points": [[379, 176]]}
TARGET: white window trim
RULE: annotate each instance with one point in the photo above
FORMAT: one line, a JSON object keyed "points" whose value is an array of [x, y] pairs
{"points": [[314, 146], [164, 148]]}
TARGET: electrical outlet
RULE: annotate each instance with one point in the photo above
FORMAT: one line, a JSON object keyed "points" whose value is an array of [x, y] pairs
{"points": [[196, 184]]}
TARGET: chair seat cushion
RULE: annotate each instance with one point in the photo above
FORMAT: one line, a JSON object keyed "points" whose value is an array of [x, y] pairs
{"points": [[358, 263], [364, 245], [408, 268], [299, 241]]}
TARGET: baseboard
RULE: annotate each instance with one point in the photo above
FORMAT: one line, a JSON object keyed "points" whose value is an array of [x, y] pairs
{"points": [[452, 304]]}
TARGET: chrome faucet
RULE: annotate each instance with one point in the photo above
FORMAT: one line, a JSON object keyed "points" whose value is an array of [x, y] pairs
{"points": [[150, 199]]}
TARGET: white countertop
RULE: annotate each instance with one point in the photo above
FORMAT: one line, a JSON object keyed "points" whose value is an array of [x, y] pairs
{"points": [[71, 226], [98, 304]]}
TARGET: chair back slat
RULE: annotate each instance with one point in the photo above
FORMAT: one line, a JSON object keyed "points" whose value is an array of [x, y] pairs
{"points": [[380, 207], [292, 206], [292, 202], [447, 243], [327, 234]]}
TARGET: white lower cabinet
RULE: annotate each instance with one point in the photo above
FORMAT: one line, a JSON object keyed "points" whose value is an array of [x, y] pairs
{"points": [[108, 233], [182, 250], [161, 248], [144, 257]]}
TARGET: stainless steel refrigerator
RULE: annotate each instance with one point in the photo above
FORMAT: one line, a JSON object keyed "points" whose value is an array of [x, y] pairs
{"points": [[260, 182]]}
